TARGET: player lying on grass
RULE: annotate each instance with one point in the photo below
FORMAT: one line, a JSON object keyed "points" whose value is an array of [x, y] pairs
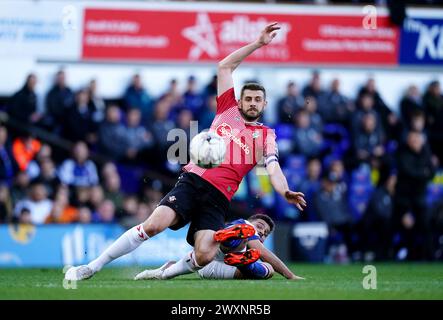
{"points": [[202, 197], [241, 247]]}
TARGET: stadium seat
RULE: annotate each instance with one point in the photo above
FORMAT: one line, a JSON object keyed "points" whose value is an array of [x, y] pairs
{"points": [[285, 134]]}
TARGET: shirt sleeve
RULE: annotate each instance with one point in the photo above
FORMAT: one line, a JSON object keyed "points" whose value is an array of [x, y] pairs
{"points": [[270, 150], [226, 101]]}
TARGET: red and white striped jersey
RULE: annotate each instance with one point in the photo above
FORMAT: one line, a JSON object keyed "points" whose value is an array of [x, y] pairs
{"points": [[246, 145]]}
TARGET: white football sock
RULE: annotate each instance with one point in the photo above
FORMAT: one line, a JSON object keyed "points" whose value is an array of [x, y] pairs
{"points": [[128, 241], [217, 270], [183, 266]]}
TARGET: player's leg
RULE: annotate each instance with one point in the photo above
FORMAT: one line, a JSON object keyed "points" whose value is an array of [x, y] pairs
{"points": [[256, 270], [205, 250], [205, 247], [219, 270], [160, 219]]}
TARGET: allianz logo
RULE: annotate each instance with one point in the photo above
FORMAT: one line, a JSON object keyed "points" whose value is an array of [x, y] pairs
{"points": [[430, 38]]}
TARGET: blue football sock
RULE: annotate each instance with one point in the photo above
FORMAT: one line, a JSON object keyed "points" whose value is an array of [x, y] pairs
{"points": [[256, 270]]}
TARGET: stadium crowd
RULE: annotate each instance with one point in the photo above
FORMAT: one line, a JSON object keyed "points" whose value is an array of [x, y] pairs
{"points": [[370, 173]]}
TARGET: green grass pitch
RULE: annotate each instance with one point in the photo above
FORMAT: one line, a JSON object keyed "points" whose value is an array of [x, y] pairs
{"points": [[394, 281]]}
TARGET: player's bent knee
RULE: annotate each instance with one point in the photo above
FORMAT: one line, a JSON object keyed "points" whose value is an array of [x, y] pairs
{"points": [[204, 257], [151, 228]]}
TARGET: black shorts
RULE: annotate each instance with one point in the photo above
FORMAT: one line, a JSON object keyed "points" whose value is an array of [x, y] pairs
{"points": [[197, 201]]}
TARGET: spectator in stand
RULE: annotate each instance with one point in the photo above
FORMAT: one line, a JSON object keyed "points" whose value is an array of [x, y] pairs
{"points": [[337, 167], [81, 197], [137, 97], [37, 203], [211, 87], [365, 104], [140, 142], [5, 204], [23, 105], [315, 118], [96, 197], [20, 186], [173, 94], [48, 176], [44, 153], [152, 191], [79, 124], [313, 89], [58, 101], [333, 106], [310, 187], [307, 139], [24, 149], [24, 217], [112, 188], [144, 210], [288, 105], [62, 211], [105, 212], [192, 99], [33, 168], [410, 104], [161, 125], [389, 120], [80, 170], [331, 206], [8, 165], [108, 169], [84, 215], [96, 103], [376, 220], [129, 210], [433, 105], [415, 170], [208, 113], [112, 135], [417, 122], [368, 141]]}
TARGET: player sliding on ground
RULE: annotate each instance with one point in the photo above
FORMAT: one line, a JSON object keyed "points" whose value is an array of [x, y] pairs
{"points": [[236, 258], [202, 196]]}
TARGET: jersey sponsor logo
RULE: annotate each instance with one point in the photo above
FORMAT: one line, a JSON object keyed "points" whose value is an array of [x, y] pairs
{"points": [[225, 130]]}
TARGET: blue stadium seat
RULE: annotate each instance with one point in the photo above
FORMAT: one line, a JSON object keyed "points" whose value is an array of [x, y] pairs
{"points": [[131, 178], [336, 138], [295, 169], [285, 137], [434, 193]]}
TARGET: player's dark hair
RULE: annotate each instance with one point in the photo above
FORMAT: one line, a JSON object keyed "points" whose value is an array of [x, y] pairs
{"points": [[265, 218], [253, 86]]}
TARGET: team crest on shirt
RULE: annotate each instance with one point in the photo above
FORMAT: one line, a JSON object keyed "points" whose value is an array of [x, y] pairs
{"points": [[223, 129], [172, 198], [255, 134]]}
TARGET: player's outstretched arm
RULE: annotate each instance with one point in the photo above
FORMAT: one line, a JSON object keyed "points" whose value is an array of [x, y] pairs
{"points": [[231, 62], [280, 184], [267, 256]]}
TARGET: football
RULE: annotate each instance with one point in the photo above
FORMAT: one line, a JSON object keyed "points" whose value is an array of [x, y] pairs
{"points": [[207, 150]]}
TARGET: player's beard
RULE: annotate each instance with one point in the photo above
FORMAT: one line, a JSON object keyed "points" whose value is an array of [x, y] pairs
{"points": [[250, 118]]}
